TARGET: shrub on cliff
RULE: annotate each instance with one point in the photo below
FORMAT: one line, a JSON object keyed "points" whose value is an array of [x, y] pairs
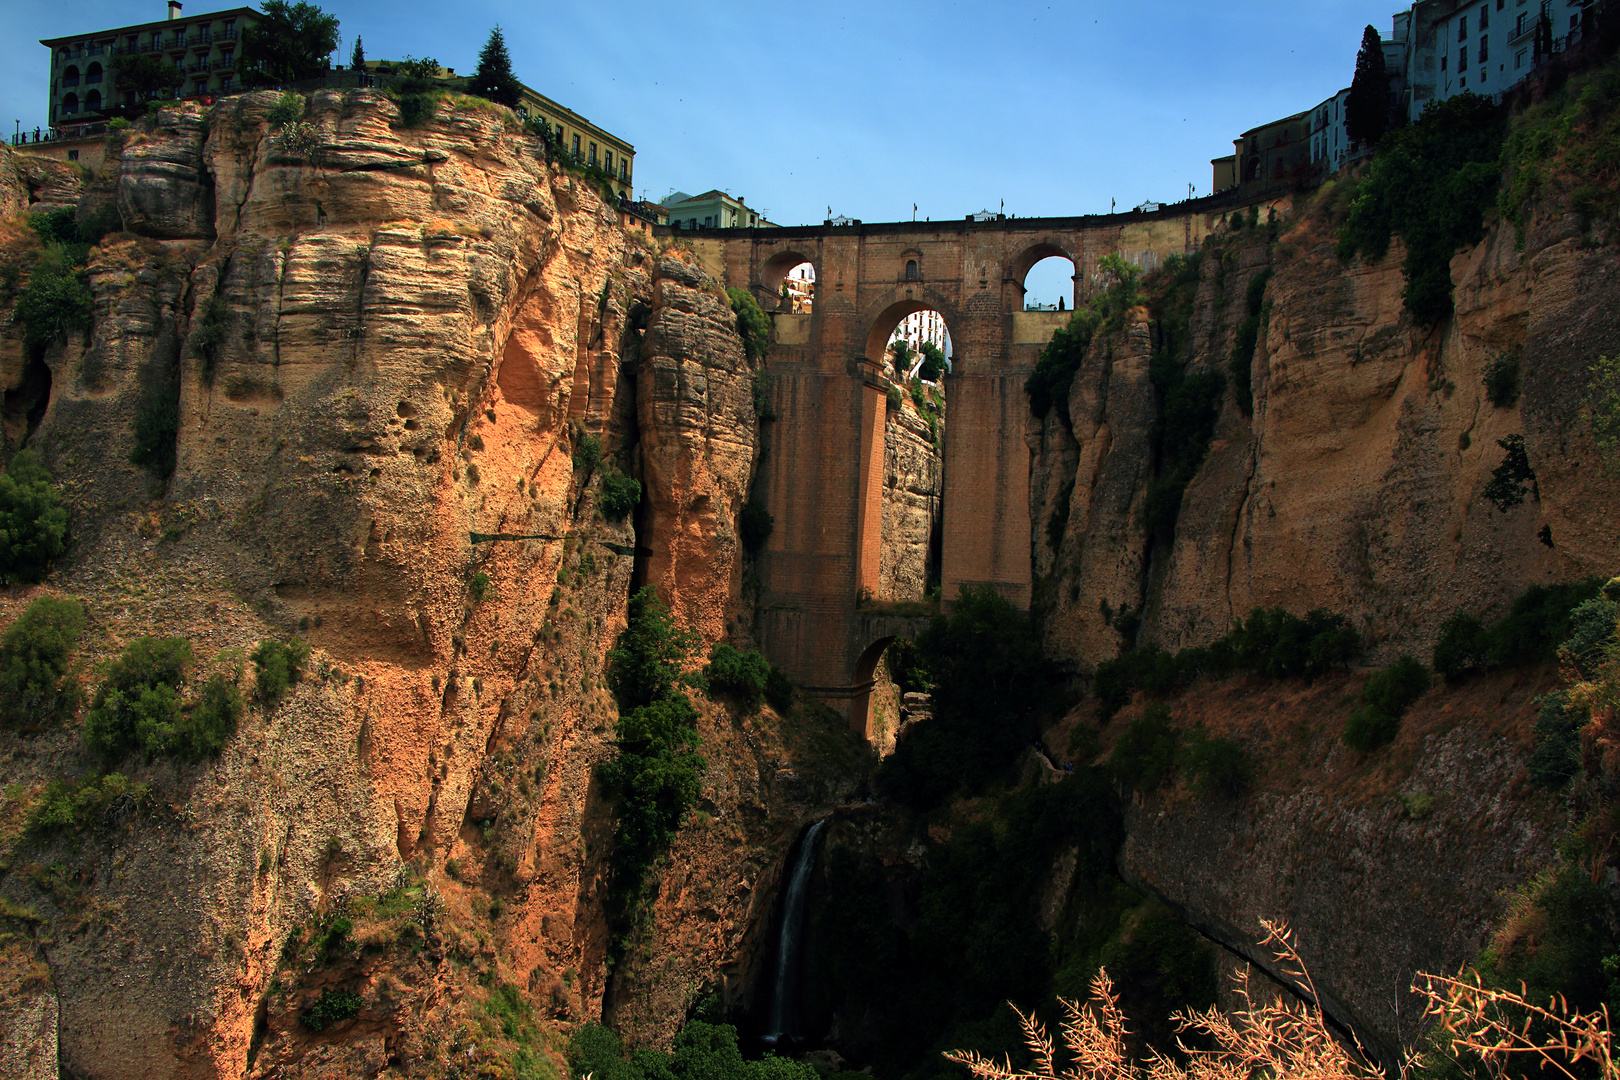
{"points": [[1386, 697], [1241, 364], [36, 690], [332, 1007], [1215, 767], [1146, 753], [1431, 183], [1464, 647], [140, 706], [33, 522], [753, 325], [56, 301], [993, 687], [738, 674], [278, 665], [619, 495], [648, 662], [1502, 381]]}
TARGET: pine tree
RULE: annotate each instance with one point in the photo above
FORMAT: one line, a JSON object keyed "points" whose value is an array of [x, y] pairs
{"points": [[1366, 114], [494, 79], [358, 60]]}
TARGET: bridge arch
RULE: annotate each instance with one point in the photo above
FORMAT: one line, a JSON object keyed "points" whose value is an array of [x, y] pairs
{"points": [[1019, 269], [885, 319], [775, 270]]}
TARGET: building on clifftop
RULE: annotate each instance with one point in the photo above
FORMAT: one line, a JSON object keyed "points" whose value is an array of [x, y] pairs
{"points": [[712, 210], [202, 48]]}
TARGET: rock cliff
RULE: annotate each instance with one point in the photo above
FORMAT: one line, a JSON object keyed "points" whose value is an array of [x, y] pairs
{"points": [[1356, 485], [385, 346]]}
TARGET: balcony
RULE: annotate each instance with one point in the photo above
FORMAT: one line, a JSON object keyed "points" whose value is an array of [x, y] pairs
{"points": [[93, 77], [70, 80], [98, 50], [226, 62], [200, 65], [175, 44], [201, 40]]}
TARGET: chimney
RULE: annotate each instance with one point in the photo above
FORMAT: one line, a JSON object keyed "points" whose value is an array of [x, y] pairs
{"points": [[174, 10]]}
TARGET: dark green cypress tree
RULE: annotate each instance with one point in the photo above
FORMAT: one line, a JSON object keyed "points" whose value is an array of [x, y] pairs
{"points": [[358, 59], [1366, 113], [494, 79]]}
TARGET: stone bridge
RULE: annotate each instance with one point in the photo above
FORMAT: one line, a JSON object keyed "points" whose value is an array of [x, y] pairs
{"points": [[822, 477]]}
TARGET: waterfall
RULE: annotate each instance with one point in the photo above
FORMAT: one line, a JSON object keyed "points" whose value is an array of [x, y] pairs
{"points": [[787, 948]]}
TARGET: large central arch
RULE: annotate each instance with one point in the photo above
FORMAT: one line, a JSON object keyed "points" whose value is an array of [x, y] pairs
{"points": [[821, 476]]}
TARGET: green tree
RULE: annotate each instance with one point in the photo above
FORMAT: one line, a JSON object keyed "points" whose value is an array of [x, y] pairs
{"points": [[35, 690], [357, 59], [1431, 183], [902, 355], [145, 74], [33, 522], [1513, 478], [933, 365], [753, 325], [291, 41], [1366, 113], [56, 300], [494, 79], [138, 705], [649, 659]]}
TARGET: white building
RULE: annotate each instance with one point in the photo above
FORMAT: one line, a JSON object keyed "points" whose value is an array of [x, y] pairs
{"points": [[1330, 141], [1480, 46], [918, 327], [801, 288]]}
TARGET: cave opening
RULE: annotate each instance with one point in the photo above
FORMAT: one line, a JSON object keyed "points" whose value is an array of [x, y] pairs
{"points": [[25, 404]]}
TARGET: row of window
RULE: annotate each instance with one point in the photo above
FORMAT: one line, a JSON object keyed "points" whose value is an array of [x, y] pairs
{"points": [[181, 38]]}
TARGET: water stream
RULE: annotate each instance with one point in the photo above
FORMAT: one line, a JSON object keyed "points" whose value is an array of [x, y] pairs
{"points": [[784, 1016]]}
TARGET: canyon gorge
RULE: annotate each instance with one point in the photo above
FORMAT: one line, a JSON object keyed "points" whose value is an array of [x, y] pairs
{"points": [[409, 369]]}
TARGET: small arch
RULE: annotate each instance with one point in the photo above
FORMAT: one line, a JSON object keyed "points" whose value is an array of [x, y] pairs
{"points": [[911, 270], [888, 320], [92, 101], [70, 105], [865, 677], [794, 272], [1037, 258]]}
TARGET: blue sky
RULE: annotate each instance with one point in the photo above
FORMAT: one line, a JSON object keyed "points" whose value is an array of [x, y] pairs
{"points": [[864, 107]]}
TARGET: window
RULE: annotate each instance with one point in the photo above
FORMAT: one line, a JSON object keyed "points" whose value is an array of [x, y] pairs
{"points": [[576, 146], [1462, 58], [1518, 27], [1500, 4], [1484, 18], [73, 155], [607, 160], [1484, 50], [624, 169], [1574, 21], [911, 269], [224, 83], [1462, 28], [1443, 63], [593, 153]]}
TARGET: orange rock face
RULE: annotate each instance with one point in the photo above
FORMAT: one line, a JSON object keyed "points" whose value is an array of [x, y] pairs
{"points": [[386, 349]]}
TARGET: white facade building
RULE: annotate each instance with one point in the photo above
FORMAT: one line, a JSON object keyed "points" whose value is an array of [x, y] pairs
{"points": [[918, 327], [1481, 46], [1330, 142]]}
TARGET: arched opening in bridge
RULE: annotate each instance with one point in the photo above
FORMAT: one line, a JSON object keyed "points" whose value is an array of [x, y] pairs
{"points": [[1049, 284], [789, 280], [902, 455], [891, 691]]}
